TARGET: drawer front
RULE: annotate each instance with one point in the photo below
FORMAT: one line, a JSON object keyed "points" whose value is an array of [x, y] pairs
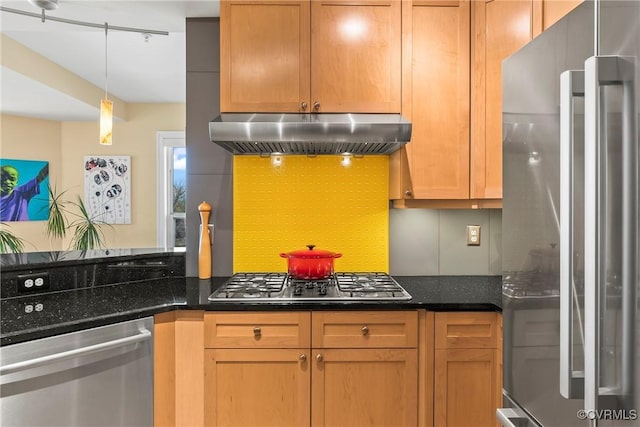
{"points": [[365, 329], [466, 330], [257, 330]]}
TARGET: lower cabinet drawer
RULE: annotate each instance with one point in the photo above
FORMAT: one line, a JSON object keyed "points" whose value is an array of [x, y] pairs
{"points": [[257, 330], [365, 329], [466, 330]]}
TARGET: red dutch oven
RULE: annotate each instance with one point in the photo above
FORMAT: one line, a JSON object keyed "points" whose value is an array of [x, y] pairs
{"points": [[310, 264]]}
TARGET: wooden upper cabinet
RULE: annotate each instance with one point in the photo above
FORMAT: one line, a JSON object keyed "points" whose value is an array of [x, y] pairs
{"points": [[435, 75], [548, 12], [500, 28], [355, 56], [264, 52], [310, 56]]}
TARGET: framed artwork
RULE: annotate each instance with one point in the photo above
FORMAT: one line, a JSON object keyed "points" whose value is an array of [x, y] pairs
{"points": [[24, 190], [107, 188]]}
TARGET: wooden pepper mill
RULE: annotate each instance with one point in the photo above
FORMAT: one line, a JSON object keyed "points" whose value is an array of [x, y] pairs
{"points": [[204, 251]]}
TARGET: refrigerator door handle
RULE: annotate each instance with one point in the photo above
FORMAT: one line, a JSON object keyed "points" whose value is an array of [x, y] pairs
{"points": [[571, 87], [602, 71]]}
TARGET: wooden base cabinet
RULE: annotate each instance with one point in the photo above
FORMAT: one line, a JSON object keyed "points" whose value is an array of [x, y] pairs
{"points": [[364, 387], [262, 369], [365, 368], [327, 368], [249, 387], [467, 369]]}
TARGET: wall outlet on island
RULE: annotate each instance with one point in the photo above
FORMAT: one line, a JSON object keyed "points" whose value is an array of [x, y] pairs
{"points": [[34, 282], [473, 235]]}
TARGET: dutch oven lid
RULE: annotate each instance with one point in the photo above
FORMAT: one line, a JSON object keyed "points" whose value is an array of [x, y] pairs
{"points": [[311, 252]]}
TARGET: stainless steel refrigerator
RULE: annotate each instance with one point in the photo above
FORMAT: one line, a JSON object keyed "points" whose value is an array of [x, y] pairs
{"points": [[570, 222]]}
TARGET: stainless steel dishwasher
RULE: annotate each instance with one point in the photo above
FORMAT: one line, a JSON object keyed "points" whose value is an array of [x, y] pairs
{"points": [[95, 377]]}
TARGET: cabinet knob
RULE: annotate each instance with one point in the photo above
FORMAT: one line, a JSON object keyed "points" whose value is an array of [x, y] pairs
{"points": [[303, 357], [408, 193], [303, 106], [316, 105], [319, 357], [257, 332], [365, 330]]}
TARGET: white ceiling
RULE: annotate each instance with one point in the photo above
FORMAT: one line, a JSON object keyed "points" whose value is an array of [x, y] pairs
{"points": [[139, 70]]}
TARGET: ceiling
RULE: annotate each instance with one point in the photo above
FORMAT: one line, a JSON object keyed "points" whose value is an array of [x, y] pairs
{"points": [[139, 69]]}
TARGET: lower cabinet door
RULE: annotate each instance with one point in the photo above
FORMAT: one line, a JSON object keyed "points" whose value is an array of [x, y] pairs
{"points": [[364, 387], [257, 387], [465, 387]]}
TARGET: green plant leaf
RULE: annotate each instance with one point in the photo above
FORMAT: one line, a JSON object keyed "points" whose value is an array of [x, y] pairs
{"points": [[9, 242], [87, 233], [57, 223]]}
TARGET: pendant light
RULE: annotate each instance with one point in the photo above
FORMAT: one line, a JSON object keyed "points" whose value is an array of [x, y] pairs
{"points": [[106, 105]]}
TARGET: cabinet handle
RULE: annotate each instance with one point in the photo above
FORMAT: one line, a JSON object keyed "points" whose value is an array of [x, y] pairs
{"points": [[319, 357], [408, 193], [365, 330], [303, 357], [303, 106], [257, 331], [316, 105]]}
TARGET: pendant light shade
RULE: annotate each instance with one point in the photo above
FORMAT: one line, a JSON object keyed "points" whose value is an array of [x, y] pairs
{"points": [[106, 121], [106, 105]]}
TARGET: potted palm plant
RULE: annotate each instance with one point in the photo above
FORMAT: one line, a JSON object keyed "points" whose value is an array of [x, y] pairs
{"points": [[64, 215]]}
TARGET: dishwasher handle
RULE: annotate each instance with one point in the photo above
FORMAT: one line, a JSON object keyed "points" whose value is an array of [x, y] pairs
{"points": [[83, 351], [510, 417]]}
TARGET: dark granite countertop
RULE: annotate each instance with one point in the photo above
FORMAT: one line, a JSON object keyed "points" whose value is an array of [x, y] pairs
{"points": [[35, 260], [31, 317]]}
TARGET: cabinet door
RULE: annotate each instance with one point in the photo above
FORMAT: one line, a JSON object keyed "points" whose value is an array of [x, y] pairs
{"points": [[364, 387], [435, 68], [246, 388], [355, 56], [264, 51], [500, 28], [465, 387], [554, 10]]}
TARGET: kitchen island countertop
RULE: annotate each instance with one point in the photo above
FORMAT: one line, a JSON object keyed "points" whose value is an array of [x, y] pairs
{"points": [[31, 317]]}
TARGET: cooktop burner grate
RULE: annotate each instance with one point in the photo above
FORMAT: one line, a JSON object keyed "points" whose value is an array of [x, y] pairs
{"points": [[264, 287]]}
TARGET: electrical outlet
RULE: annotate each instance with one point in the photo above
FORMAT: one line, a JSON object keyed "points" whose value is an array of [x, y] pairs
{"points": [[35, 282], [473, 235]]}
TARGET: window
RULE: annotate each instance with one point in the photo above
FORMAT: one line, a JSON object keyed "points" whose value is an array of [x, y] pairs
{"points": [[172, 186]]}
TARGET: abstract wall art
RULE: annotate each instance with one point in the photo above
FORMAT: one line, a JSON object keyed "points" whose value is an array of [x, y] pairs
{"points": [[107, 188]]}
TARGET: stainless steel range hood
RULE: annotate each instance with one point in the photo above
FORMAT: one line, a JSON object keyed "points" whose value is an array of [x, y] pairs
{"points": [[311, 134]]}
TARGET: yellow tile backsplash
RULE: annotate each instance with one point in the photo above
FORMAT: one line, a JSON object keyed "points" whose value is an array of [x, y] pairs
{"points": [[310, 200]]}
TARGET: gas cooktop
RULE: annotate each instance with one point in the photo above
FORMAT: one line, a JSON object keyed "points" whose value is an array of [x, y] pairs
{"points": [[278, 287]]}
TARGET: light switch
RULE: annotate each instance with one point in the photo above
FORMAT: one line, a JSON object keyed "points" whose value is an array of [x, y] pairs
{"points": [[473, 235]]}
